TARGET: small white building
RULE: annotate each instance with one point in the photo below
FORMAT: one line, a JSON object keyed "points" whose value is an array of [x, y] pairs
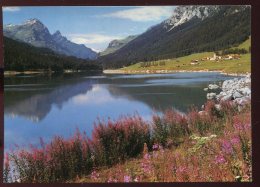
{"points": [[214, 57], [229, 57]]}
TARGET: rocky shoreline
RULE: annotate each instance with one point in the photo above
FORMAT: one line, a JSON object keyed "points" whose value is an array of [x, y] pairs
{"points": [[237, 90]]}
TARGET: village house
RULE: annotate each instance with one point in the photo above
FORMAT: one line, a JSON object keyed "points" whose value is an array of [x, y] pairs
{"points": [[205, 58], [194, 62], [228, 57], [214, 57], [225, 57], [217, 58]]}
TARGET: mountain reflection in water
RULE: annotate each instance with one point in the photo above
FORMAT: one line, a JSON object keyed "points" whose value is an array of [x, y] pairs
{"points": [[42, 106]]}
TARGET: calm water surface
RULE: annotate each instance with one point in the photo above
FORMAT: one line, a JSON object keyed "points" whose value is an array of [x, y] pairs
{"points": [[44, 106]]}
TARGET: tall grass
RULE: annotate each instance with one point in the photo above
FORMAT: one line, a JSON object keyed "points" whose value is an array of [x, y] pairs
{"points": [[170, 129], [116, 141], [211, 145]]}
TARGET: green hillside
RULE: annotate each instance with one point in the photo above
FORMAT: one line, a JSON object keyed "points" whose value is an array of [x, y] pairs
{"points": [[245, 45], [226, 28], [19, 56], [241, 65]]}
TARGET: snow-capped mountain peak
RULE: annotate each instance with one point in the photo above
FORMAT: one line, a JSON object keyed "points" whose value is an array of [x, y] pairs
{"points": [[32, 21], [9, 25], [183, 14]]}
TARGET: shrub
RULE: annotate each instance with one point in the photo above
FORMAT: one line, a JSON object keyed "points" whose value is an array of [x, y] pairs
{"points": [[213, 118], [199, 123], [171, 128], [58, 161], [118, 140]]}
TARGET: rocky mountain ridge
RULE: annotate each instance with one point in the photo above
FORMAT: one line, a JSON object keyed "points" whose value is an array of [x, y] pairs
{"points": [[34, 32], [114, 45], [183, 14]]}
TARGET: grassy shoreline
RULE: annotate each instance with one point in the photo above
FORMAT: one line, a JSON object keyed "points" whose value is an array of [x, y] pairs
{"points": [[239, 66], [120, 71], [213, 145]]}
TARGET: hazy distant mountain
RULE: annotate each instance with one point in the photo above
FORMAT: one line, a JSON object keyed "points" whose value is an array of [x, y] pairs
{"points": [[114, 45], [189, 30], [37, 34]]}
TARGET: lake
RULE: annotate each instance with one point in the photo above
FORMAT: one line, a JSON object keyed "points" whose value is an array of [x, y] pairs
{"points": [[45, 106]]}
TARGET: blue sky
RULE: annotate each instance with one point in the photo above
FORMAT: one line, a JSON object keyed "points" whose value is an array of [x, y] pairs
{"points": [[93, 26]]}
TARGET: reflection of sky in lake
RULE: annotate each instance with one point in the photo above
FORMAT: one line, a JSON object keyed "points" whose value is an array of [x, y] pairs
{"points": [[38, 107], [79, 111]]}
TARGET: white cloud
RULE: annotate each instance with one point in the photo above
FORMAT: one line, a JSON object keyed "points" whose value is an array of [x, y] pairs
{"points": [[143, 14], [11, 9], [97, 95], [96, 50], [91, 38]]}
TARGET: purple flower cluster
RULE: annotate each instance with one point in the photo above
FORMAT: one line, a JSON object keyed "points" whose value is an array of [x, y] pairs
{"points": [[235, 140], [147, 156], [238, 126], [155, 147], [227, 147], [94, 175], [219, 159]]}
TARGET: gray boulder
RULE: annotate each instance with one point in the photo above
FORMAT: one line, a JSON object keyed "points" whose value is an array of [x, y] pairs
{"points": [[211, 95], [245, 91], [227, 97], [237, 95], [213, 86]]}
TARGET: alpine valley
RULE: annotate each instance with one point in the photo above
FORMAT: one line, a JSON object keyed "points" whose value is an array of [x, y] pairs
{"points": [[171, 103], [191, 29]]}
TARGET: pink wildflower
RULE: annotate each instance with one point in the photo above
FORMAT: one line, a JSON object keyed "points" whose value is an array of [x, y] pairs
{"points": [[219, 159], [127, 178], [235, 140], [146, 156], [147, 167], [110, 179], [155, 146], [181, 169], [227, 147], [238, 126], [94, 175]]}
